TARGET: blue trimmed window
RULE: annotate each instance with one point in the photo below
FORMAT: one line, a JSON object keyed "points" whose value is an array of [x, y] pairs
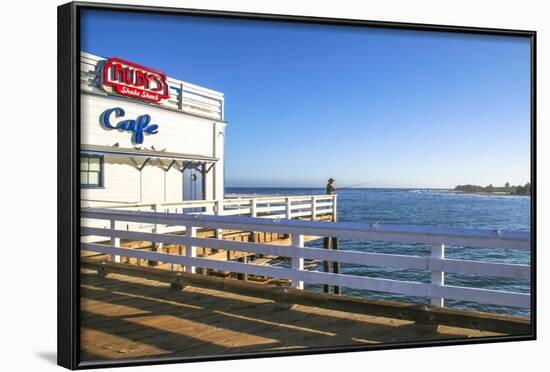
{"points": [[91, 171]]}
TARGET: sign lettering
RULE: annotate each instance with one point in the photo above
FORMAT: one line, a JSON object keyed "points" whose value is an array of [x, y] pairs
{"points": [[138, 127], [132, 80]]}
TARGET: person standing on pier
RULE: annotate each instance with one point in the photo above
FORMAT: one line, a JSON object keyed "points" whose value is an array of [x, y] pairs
{"points": [[330, 187]]}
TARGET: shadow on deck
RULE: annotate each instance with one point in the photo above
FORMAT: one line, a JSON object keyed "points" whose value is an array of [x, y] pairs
{"points": [[128, 312]]}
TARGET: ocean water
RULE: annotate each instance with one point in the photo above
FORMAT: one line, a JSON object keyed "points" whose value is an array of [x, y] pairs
{"points": [[427, 207]]}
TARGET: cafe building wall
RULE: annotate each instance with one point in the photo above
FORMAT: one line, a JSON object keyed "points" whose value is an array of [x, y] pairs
{"points": [[179, 157]]}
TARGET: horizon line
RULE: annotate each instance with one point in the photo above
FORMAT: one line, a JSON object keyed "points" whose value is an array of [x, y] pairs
{"points": [[347, 188]]}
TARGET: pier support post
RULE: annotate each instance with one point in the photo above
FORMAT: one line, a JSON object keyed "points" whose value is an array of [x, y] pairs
{"points": [[335, 244], [190, 249], [115, 242], [334, 211], [336, 265], [297, 242], [331, 243], [327, 242], [438, 277]]}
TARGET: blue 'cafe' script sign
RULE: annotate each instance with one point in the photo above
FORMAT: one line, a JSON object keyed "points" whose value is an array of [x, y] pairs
{"points": [[138, 127]]}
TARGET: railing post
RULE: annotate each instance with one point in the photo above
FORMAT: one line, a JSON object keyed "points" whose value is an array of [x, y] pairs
{"points": [[438, 277], [288, 209], [157, 229], [190, 250], [115, 242], [297, 242], [219, 212], [243, 276], [313, 208], [180, 97], [253, 212], [157, 247]]}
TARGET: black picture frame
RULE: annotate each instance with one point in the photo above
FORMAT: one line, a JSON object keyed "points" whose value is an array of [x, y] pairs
{"points": [[68, 110]]}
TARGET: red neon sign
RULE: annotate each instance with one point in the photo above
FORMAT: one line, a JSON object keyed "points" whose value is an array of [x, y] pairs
{"points": [[132, 80]]}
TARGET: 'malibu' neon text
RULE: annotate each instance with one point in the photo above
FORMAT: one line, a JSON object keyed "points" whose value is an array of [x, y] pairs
{"points": [[139, 127]]}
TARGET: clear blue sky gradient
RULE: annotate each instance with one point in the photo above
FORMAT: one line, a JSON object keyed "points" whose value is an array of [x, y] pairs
{"points": [[304, 102]]}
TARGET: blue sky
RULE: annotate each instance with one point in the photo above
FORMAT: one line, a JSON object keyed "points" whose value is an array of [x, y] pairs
{"points": [[392, 108]]}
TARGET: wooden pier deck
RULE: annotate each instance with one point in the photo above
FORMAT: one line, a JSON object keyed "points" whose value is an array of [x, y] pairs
{"points": [[130, 311]]}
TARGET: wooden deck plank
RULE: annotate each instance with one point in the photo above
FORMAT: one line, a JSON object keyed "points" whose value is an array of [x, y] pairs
{"points": [[130, 316]]}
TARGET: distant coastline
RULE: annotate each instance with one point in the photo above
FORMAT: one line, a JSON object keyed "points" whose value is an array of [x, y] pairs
{"points": [[493, 193], [507, 189]]}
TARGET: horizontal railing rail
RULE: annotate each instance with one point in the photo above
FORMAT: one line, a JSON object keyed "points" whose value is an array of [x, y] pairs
{"points": [[436, 264]]}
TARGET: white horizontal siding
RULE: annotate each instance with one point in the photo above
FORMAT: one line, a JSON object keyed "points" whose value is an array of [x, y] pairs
{"points": [[174, 189], [121, 182], [152, 183]]}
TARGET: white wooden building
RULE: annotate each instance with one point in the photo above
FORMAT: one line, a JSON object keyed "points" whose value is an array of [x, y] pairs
{"points": [[182, 158]]}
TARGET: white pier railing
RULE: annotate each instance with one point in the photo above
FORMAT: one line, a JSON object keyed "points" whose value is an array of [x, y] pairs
{"points": [[437, 264], [289, 207]]}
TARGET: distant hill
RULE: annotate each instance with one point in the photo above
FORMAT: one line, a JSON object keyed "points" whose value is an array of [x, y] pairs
{"points": [[490, 189]]}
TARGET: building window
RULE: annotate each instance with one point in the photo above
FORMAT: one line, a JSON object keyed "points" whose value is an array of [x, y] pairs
{"points": [[91, 171]]}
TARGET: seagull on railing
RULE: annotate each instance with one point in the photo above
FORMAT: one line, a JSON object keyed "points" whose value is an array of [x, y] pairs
{"points": [[116, 145]]}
